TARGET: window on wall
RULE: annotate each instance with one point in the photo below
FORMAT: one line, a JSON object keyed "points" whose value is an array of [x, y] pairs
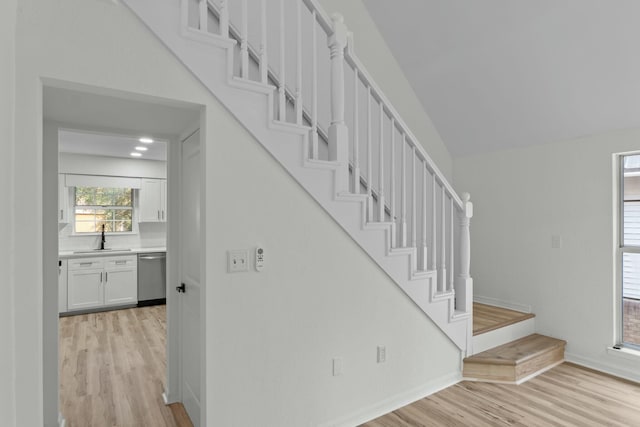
{"points": [[630, 249], [98, 206]]}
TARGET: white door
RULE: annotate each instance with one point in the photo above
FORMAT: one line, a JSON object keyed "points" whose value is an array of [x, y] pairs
{"points": [[190, 332]]}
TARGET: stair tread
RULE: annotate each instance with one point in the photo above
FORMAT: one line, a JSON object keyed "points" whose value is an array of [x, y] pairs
{"points": [[487, 318], [518, 351]]}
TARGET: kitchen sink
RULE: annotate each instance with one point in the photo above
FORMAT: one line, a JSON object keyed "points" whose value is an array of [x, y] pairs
{"points": [[93, 251]]}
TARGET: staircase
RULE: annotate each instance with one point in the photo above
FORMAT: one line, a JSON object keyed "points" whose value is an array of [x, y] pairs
{"points": [[289, 73], [506, 348]]}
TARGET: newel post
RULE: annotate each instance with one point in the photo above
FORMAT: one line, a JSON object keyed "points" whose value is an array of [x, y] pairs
{"points": [[464, 282], [338, 131]]}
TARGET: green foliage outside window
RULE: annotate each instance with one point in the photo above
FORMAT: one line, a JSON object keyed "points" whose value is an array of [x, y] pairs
{"points": [[98, 206]]}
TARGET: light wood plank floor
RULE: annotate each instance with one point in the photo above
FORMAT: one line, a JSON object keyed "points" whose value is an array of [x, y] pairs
{"points": [[567, 395], [487, 318], [112, 369]]}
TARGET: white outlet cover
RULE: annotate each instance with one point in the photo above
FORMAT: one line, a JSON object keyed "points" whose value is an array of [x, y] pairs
{"points": [[337, 366]]}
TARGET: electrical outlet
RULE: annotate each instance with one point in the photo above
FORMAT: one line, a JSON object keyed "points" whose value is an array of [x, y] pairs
{"points": [[382, 354], [237, 261], [337, 366], [556, 241]]}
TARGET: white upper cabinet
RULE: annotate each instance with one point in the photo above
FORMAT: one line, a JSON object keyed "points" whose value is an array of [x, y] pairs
{"points": [[63, 201], [153, 200]]}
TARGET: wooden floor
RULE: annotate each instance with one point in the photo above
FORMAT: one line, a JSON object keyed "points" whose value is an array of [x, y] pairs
{"points": [[487, 318], [112, 370], [567, 395]]}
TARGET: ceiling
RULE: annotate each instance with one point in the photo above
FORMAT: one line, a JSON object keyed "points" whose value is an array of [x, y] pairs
{"points": [[99, 144], [499, 74], [111, 126]]}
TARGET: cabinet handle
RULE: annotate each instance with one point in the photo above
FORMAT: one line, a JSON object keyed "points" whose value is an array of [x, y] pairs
{"points": [[106, 277], [163, 215], [158, 214], [61, 214], [86, 263], [100, 277], [121, 262]]}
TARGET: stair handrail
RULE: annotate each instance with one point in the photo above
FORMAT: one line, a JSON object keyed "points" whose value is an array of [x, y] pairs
{"points": [[352, 59]]}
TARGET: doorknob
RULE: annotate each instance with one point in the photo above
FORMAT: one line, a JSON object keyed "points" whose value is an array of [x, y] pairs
{"points": [[181, 289]]}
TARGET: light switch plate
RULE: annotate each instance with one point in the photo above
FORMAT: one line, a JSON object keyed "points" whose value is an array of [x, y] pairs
{"points": [[238, 261]]}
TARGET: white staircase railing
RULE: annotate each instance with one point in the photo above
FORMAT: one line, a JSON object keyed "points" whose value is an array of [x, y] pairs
{"points": [[320, 84]]}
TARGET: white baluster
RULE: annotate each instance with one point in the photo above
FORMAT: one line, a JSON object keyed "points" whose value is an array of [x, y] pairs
{"points": [[403, 194], [264, 62], [424, 260], [244, 42], [356, 133], [224, 19], [443, 247], [381, 167], [338, 131], [314, 88], [451, 255], [204, 16], [414, 224], [369, 160], [299, 66], [434, 236], [392, 190], [282, 98]]}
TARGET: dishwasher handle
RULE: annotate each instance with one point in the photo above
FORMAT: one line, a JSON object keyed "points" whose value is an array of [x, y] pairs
{"points": [[150, 257]]}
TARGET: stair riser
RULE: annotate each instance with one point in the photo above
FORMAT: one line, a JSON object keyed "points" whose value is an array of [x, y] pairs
{"points": [[514, 373], [503, 335]]}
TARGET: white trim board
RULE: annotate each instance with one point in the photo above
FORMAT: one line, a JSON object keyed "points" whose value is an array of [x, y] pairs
{"points": [[503, 335], [525, 308], [607, 368], [396, 402]]}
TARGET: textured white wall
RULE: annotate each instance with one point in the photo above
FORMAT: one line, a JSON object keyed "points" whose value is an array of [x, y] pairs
{"points": [[375, 54], [270, 336], [521, 198], [7, 109]]}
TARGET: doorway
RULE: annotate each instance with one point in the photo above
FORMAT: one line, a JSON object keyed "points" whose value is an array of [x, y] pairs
{"points": [[85, 109]]}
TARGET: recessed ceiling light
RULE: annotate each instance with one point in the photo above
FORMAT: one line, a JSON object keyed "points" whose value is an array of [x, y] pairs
{"points": [[146, 140], [141, 148], [135, 154]]}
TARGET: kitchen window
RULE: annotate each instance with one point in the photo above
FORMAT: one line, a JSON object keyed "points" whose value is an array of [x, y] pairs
{"points": [[98, 206]]}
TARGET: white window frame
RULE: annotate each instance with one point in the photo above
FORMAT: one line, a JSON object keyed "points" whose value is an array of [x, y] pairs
{"points": [[134, 217]]}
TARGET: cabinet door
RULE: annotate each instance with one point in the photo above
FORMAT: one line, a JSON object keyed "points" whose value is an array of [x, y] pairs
{"points": [[63, 201], [85, 289], [62, 286], [151, 203], [121, 286]]}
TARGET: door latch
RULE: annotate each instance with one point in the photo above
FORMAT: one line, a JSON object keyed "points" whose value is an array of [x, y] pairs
{"points": [[181, 289]]}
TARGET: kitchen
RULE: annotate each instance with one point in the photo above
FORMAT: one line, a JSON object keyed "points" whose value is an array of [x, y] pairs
{"points": [[112, 221]]}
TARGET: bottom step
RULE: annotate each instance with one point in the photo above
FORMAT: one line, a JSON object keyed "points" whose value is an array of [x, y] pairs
{"points": [[515, 362]]}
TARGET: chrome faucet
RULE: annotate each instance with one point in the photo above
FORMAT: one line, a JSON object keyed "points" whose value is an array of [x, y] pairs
{"points": [[102, 239]]}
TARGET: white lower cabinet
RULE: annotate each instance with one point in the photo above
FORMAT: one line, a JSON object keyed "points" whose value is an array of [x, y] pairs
{"points": [[102, 282], [62, 285]]}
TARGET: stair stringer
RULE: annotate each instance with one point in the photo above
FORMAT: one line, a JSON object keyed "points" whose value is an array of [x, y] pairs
{"points": [[209, 58]]}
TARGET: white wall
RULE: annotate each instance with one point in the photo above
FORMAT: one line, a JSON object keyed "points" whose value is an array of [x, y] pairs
{"points": [[521, 198], [84, 164], [270, 336], [7, 109], [385, 70]]}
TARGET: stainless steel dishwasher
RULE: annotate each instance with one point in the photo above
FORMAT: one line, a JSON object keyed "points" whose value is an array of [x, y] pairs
{"points": [[152, 278]]}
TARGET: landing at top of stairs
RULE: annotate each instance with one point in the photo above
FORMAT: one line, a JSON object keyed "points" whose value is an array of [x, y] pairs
{"points": [[517, 361], [488, 318]]}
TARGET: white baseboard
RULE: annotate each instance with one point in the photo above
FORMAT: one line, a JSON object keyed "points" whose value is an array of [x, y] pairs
{"points": [[603, 367], [61, 421], [395, 402], [525, 308]]}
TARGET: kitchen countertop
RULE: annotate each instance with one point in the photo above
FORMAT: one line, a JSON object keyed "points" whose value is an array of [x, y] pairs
{"points": [[112, 252]]}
